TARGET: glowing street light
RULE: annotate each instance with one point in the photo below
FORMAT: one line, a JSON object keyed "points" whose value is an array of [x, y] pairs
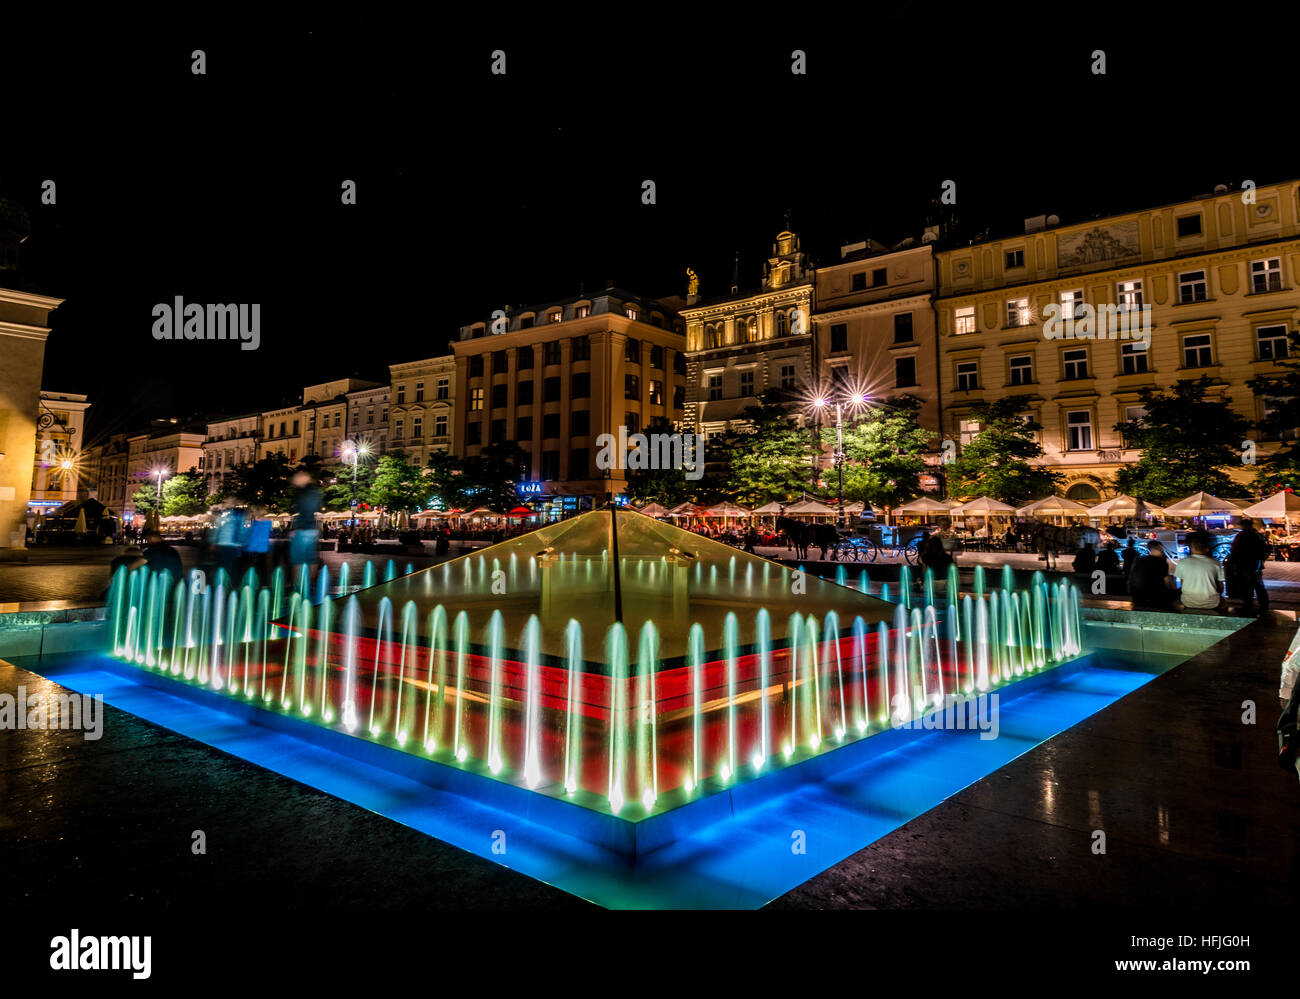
{"points": [[854, 399], [354, 451], [160, 474]]}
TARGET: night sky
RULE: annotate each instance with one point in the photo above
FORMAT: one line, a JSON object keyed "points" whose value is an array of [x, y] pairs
{"points": [[475, 191]]}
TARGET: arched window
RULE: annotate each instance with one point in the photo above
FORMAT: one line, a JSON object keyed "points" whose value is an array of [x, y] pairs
{"points": [[751, 329], [711, 338], [1084, 492]]}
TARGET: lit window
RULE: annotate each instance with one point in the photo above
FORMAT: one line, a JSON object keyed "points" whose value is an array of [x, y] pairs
{"points": [[1070, 302], [1078, 426], [965, 318], [476, 398], [1266, 275], [1128, 294], [1018, 312]]}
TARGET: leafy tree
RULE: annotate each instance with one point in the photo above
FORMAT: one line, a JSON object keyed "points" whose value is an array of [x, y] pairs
{"points": [[398, 485], [883, 450], [445, 474], [492, 477], [145, 499], [185, 495], [771, 459], [1187, 443], [263, 484], [998, 460], [668, 486]]}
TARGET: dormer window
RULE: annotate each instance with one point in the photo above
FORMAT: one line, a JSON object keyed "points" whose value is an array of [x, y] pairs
{"points": [[555, 316], [632, 312]]}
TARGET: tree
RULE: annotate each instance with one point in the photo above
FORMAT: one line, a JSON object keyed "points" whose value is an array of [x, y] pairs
{"points": [[398, 485], [492, 477], [1187, 442], [668, 486], [771, 459], [998, 460], [883, 450], [185, 495], [263, 484]]}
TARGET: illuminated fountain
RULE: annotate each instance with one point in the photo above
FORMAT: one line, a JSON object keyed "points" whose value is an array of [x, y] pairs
{"points": [[610, 662]]}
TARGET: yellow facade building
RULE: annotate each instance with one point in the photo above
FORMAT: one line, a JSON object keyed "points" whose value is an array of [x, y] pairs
{"points": [[1201, 287]]}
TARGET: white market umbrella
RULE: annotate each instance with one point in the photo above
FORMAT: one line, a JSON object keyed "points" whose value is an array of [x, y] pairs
{"points": [[809, 508], [1201, 505], [1052, 506], [80, 526], [726, 510], [925, 504], [1280, 506], [770, 509], [1123, 505], [684, 510], [985, 506], [654, 510]]}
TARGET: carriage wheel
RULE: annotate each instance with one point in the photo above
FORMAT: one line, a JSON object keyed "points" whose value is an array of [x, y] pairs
{"points": [[913, 551], [869, 551]]}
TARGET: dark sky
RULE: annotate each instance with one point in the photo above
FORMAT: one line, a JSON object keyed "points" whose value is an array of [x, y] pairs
{"points": [[475, 191]]}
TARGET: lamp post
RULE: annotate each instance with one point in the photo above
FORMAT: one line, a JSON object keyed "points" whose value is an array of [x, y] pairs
{"points": [[353, 451], [160, 474], [838, 456]]}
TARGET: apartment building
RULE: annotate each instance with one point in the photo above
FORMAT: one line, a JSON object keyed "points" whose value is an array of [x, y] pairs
{"points": [[423, 407]]}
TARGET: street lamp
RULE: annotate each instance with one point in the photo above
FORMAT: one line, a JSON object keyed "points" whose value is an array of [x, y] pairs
{"points": [[354, 451], [821, 402], [160, 474]]}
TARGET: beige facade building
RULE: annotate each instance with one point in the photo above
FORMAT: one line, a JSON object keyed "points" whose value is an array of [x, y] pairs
{"points": [[1218, 273], [166, 450], [24, 319], [60, 461], [874, 327], [422, 417], [553, 378], [742, 344], [104, 467], [325, 419], [228, 443], [280, 432], [368, 417]]}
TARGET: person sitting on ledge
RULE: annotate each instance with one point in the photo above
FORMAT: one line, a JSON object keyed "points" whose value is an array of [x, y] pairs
{"points": [[1201, 578], [934, 556], [1150, 585], [1108, 560]]}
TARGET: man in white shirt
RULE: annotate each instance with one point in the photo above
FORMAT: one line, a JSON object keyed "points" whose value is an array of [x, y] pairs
{"points": [[1201, 578]]}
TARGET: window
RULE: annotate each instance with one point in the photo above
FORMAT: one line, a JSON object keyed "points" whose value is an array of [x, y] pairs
{"points": [[1132, 414], [1128, 294], [579, 462], [715, 387], [581, 350], [679, 396], [295, 427], [524, 394], [1078, 429], [712, 337], [1196, 351], [370, 419], [384, 418], [1022, 369], [444, 388], [1188, 225], [657, 357], [580, 423], [751, 330], [632, 421], [967, 431], [581, 311], [1272, 342], [337, 417], [475, 371], [632, 351], [631, 387], [551, 389], [903, 327], [1018, 312], [476, 399], [632, 312], [1133, 358], [1074, 364], [550, 426], [551, 352], [860, 281], [968, 375], [581, 388], [525, 322], [498, 396], [904, 372], [440, 425], [1266, 275], [965, 320], [679, 363], [656, 393], [524, 360], [781, 320], [746, 383], [839, 338], [524, 428], [554, 317], [1070, 302], [550, 465], [497, 432], [787, 376], [1191, 287], [878, 277], [1015, 258], [401, 394]]}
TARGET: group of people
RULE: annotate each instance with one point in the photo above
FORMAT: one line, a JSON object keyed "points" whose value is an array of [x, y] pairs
{"points": [[1198, 584]]}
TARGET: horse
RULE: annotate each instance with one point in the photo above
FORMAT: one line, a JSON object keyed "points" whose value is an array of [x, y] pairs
{"points": [[801, 536]]}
